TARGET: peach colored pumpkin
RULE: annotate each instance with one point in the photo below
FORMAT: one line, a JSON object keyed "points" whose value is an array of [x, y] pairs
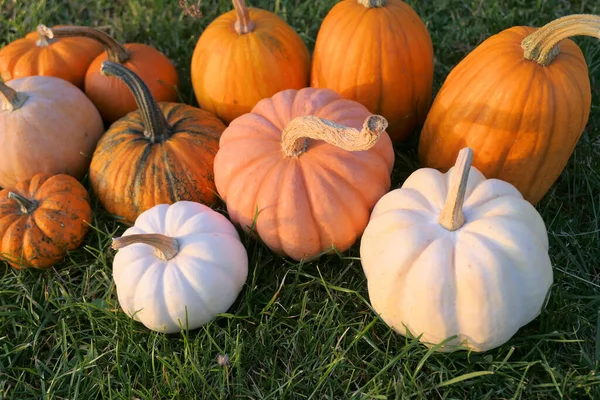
{"points": [[304, 197], [46, 125]]}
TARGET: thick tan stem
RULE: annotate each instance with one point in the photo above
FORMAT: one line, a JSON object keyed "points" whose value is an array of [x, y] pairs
{"points": [[10, 99], [165, 247], [27, 206], [452, 216], [293, 137], [243, 23], [42, 41], [542, 45], [114, 50], [372, 3]]}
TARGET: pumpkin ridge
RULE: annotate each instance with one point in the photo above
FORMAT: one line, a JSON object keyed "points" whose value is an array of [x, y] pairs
{"points": [[184, 279], [136, 190], [311, 207]]}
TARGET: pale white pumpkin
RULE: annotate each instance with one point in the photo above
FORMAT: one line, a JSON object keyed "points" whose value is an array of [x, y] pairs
{"points": [[438, 268], [179, 266]]}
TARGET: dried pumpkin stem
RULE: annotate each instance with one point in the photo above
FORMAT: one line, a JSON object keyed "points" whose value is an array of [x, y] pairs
{"points": [[452, 216], [294, 136], [156, 127], [114, 50], [542, 46], [10, 99], [372, 3], [43, 40], [243, 23], [27, 206], [165, 247]]}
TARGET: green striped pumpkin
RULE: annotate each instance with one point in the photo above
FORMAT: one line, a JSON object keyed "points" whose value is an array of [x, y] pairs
{"points": [[159, 154]]}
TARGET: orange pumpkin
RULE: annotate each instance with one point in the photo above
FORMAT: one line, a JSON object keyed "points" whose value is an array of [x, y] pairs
{"points": [[303, 171], [67, 58], [379, 53], [520, 100], [112, 98], [41, 219], [244, 56], [159, 154]]}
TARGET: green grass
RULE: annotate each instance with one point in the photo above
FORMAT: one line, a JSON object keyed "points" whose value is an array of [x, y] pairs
{"points": [[301, 331]]}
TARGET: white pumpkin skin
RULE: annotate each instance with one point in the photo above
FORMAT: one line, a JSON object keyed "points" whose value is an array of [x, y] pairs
{"points": [[206, 275], [55, 131], [481, 282]]}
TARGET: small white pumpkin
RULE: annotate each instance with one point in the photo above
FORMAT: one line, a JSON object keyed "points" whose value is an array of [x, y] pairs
{"points": [[456, 254], [179, 266]]}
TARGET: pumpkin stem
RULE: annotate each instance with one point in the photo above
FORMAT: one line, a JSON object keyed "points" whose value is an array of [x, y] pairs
{"points": [[114, 50], [43, 40], [10, 99], [452, 216], [165, 247], [27, 206], [372, 3], [542, 46], [243, 23], [294, 136], [157, 129]]}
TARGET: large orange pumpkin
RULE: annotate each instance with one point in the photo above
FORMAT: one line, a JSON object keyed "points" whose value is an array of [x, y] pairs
{"points": [[67, 58], [520, 100], [244, 56], [379, 53], [112, 98], [41, 219], [159, 154], [303, 172]]}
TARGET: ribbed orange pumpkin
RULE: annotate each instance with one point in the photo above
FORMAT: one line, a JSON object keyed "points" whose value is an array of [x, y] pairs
{"points": [[112, 98], [520, 100], [67, 58], [41, 219], [244, 56], [379, 53], [304, 170], [159, 154]]}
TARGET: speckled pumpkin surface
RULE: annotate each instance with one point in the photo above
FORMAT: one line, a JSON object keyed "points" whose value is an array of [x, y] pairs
{"points": [[41, 219], [131, 173]]}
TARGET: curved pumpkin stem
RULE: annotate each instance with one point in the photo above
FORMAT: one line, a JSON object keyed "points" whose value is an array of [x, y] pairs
{"points": [[452, 216], [27, 206], [372, 3], [10, 99], [293, 137], [165, 247], [114, 50], [156, 127], [243, 23], [542, 45]]}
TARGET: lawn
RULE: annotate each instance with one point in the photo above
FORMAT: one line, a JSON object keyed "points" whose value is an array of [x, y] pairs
{"points": [[303, 330]]}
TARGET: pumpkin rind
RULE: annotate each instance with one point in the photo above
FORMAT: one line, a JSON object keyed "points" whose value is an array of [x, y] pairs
{"points": [[58, 224], [45, 134], [303, 205], [130, 174], [381, 57], [521, 119], [481, 282], [202, 279], [231, 72], [66, 58]]}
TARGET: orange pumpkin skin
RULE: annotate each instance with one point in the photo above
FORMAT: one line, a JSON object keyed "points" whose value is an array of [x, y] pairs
{"points": [[41, 238], [521, 119], [113, 99], [129, 174], [303, 205], [232, 72], [66, 58], [381, 57]]}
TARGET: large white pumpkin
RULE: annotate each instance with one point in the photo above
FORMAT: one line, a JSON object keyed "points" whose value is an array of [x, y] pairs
{"points": [[438, 267], [187, 266]]}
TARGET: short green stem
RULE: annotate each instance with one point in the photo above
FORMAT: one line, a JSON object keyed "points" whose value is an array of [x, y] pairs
{"points": [[10, 99], [27, 206], [372, 3]]}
